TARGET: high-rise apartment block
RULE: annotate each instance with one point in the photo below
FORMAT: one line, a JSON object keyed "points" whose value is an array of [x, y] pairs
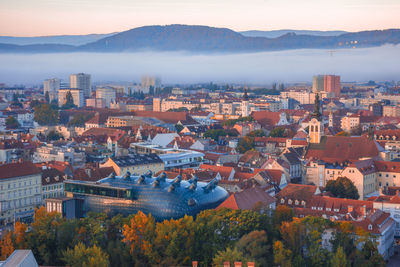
{"points": [[148, 81], [82, 82], [328, 83], [77, 96], [51, 86], [106, 93]]}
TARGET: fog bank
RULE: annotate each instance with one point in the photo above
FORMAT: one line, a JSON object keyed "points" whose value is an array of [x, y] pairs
{"points": [[379, 63]]}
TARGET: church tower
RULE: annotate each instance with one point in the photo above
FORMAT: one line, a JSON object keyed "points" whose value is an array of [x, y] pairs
{"points": [[330, 119], [244, 106], [316, 126]]}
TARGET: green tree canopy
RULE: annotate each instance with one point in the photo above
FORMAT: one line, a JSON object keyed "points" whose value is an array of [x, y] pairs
{"points": [[79, 119], [229, 255], [245, 144], [215, 134], [47, 97], [277, 132], [46, 115], [82, 256], [256, 247], [342, 187], [256, 133], [12, 123]]}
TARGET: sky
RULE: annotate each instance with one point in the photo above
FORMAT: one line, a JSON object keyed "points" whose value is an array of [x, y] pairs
{"points": [[70, 17]]}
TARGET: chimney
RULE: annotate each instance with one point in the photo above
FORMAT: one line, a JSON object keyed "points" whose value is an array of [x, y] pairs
{"points": [[250, 264], [227, 264], [195, 263], [238, 264], [380, 191], [350, 208], [364, 210]]}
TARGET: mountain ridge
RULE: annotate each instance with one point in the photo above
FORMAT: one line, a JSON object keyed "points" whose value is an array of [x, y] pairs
{"points": [[197, 38]]}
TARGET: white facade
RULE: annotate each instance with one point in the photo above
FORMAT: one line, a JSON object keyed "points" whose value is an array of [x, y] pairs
{"points": [[106, 93], [52, 86], [81, 81], [50, 153]]}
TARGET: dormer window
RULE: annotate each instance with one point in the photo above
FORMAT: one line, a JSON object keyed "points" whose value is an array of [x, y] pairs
{"points": [[296, 202], [370, 227], [303, 203], [282, 200], [290, 201]]}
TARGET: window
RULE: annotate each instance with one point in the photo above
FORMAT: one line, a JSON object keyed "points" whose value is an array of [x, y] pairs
{"points": [[370, 227], [282, 200]]}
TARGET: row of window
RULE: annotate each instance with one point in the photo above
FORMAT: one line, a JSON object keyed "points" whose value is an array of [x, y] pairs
{"points": [[19, 184]]}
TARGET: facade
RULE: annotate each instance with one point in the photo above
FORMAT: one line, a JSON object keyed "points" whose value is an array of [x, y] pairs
{"points": [[82, 82], [172, 157], [52, 183], [96, 102], [123, 121], [332, 84], [77, 96], [51, 86], [350, 123], [163, 198], [391, 111], [148, 81], [54, 153], [106, 93], [318, 83], [20, 191], [136, 164]]}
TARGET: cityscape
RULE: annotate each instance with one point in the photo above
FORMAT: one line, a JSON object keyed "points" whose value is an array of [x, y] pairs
{"points": [[169, 143]]}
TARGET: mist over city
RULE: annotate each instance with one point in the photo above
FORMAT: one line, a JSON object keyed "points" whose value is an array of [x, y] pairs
{"points": [[378, 63]]}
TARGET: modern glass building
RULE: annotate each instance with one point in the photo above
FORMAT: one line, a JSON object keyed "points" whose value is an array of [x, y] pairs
{"points": [[163, 198]]}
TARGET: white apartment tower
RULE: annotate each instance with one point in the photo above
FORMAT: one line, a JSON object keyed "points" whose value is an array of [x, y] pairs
{"points": [[106, 93], [51, 86], [82, 82]]}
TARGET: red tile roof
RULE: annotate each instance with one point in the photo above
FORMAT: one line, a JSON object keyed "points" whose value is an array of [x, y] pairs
{"points": [[342, 148], [247, 199], [18, 169]]}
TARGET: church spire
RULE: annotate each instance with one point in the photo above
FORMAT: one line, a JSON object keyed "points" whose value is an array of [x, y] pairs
{"points": [[317, 109], [245, 96]]}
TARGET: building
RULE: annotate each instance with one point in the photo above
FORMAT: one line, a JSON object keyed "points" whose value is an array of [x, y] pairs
{"points": [[20, 191], [51, 86], [391, 111], [318, 83], [54, 153], [69, 208], [316, 126], [96, 102], [332, 85], [52, 183], [163, 198], [136, 164], [20, 258], [123, 121], [172, 157], [148, 81], [106, 93], [82, 82], [77, 96], [350, 123]]}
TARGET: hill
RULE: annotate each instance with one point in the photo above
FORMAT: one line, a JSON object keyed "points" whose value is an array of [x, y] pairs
{"points": [[204, 39]]}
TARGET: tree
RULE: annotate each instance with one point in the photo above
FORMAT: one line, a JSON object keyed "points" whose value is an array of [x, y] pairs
{"points": [[339, 259], [12, 123], [277, 132], [256, 247], [230, 255], [47, 97], [215, 134], [69, 101], [245, 144], [6, 245], [342, 187], [282, 256], [82, 256], [79, 119], [256, 133], [45, 115], [343, 133], [369, 256], [282, 214], [53, 136], [136, 233]]}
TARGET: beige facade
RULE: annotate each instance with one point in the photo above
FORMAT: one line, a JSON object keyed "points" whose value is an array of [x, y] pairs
{"points": [[316, 131], [77, 96], [134, 169], [391, 111], [123, 121], [349, 123]]}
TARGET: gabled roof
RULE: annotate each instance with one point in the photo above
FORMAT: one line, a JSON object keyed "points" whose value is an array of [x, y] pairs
{"points": [[332, 148], [247, 199], [388, 166], [298, 192], [224, 171]]}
